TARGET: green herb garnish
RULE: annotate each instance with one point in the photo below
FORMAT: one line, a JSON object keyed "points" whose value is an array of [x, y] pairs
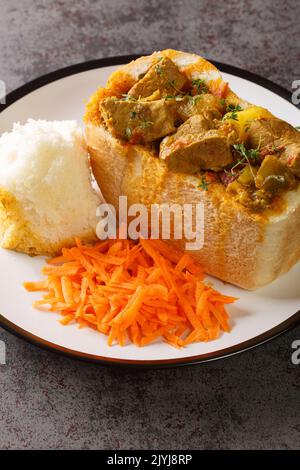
{"points": [[133, 114], [172, 83], [203, 184], [200, 85], [128, 132], [174, 97], [181, 97], [159, 70], [232, 111], [253, 154], [145, 124], [247, 126], [128, 98], [246, 153], [195, 98], [247, 156], [232, 107], [232, 116]]}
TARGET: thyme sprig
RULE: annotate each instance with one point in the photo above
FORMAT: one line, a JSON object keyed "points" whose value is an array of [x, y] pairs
{"points": [[203, 184], [175, 97], [200, 85], [249, 156], [232, 112], [126, 97]]}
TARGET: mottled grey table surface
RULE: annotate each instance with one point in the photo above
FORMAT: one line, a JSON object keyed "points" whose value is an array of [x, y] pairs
{"points": [[246, 401]]}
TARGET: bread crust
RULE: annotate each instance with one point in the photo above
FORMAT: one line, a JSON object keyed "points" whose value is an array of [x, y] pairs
{"points": [[240, 247], [17, 233]]}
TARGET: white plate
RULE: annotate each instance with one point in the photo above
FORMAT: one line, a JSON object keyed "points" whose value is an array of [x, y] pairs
{"points": [[255, 318]]}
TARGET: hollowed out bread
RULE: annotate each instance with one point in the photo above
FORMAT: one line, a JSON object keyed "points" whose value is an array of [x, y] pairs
{"points": [[240, 247]]}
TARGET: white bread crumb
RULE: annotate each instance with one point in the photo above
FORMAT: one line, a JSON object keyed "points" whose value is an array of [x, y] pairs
{"points": [[45, 167]]}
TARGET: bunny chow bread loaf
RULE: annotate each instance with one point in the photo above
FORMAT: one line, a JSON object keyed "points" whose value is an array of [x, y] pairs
{"points": [[167, 128]]}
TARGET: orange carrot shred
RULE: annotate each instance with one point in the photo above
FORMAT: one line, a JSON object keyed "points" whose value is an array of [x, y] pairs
{"points": [[133, 291], [35, 286]]}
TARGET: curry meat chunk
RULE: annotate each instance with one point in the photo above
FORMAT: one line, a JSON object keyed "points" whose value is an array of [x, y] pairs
{"points": [[197, 144], [164, 77], [276, 136], [138, 121], [207, 104]]}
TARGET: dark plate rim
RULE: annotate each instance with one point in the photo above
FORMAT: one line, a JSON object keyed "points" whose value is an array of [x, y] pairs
{"points": [[268, 335]]}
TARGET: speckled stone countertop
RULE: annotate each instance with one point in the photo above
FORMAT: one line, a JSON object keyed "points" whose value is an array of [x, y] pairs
{"points": [[246, 401]]}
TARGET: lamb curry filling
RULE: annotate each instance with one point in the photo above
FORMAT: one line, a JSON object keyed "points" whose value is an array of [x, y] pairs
{"points": [[254, 155]]}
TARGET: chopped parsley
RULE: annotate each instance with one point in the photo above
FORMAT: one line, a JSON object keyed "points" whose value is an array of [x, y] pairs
{"points": [[133, 114], [200, 85]]}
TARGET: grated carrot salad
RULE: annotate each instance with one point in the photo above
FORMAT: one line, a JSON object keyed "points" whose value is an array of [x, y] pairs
{"points": [[133, 291]]}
